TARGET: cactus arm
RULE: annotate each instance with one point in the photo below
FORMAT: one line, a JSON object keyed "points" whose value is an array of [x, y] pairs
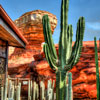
{"points": [[80, 35], [79, 39], [76, 51], [69, 42], [2, 93], [48, 36], [70, 86], [6, 88], [52, 61], [97, 70], [63, 33]]}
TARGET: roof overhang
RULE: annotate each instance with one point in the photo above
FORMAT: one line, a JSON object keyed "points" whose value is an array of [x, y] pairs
{"points": [[9, 32]]}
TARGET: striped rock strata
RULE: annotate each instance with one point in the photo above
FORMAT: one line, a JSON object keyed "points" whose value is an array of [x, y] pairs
{"points": [[31, 62]]}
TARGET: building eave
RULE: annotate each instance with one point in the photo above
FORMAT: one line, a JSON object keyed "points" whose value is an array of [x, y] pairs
{"points": [[7, 20]]}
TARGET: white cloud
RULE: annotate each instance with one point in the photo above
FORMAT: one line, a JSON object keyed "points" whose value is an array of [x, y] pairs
{"points": [[93, 25]]}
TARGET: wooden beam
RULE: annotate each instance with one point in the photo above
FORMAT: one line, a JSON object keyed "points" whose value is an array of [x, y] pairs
{"points": [[7, 33]]}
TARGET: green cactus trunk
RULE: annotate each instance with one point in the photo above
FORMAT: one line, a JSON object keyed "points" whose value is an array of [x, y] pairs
{"points": [[68, 56], [97, 70], [60, 85]]}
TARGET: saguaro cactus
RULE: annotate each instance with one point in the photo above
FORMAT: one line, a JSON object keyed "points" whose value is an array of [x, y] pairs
{"points": [[10, 91], [68, 56], [97, 70]]}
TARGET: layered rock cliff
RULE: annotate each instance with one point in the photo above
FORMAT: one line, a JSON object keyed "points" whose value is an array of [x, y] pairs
{"points": [[83, 74], [30, 24], [31, 62]]}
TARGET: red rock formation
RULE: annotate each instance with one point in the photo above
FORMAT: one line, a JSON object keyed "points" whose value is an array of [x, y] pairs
{"points": [[83, 74], [31, 62], [30, 24], [20, 60]]}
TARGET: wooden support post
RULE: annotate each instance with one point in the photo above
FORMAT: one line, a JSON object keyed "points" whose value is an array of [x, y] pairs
{"points": [[6, 62]]}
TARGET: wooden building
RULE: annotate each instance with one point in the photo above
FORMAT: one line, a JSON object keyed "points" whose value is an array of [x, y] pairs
{"points": [[9, 36]]}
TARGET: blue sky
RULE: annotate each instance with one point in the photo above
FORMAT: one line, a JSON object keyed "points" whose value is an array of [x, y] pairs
{"points": [[90, 9]]}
